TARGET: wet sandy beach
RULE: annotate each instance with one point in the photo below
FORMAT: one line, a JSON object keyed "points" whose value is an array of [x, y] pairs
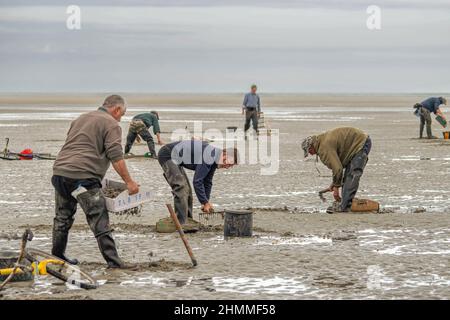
{"points": [[298, 251]]}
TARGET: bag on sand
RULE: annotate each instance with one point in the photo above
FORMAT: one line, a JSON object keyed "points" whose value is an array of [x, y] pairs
{"points": [[365, 205]]}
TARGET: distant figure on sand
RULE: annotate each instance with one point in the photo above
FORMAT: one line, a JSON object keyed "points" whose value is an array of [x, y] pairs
{"points": [[251, 108], [93, 142], [423, 111], [139, 127], [341, 149]]}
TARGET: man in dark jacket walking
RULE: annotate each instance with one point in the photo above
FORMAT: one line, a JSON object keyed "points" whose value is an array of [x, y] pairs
{"points": [[203, 159], [341, 149], [92, 143]]}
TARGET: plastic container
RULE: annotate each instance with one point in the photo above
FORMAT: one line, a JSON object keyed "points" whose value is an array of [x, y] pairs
{"points": [[123, 201]]}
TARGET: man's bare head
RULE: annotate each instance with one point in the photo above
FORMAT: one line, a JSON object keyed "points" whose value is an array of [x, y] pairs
{"points": [[115, 105]]}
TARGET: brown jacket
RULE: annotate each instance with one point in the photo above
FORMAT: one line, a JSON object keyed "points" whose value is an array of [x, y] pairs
{"points": [[337, 147], [93, 141]]}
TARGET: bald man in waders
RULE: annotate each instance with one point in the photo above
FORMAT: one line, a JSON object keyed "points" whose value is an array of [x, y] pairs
{"points": [[92, 144]]}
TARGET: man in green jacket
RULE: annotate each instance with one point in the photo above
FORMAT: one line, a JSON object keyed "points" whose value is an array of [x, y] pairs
{"points": [[345, 151], [139, 127]]}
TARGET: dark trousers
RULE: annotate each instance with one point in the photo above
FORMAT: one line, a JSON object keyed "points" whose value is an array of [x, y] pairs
{"points": [[94, 206], [251, 114], [425, 118], [353, 172], [181, 189], [145, 135]]}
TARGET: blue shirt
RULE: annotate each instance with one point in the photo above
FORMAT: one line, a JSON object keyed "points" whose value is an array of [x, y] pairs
{"points": [[432, 104], [191, 154], [251, 100]]}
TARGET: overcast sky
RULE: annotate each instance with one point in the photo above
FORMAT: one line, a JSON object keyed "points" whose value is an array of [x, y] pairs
{"points": [[224, 46]]}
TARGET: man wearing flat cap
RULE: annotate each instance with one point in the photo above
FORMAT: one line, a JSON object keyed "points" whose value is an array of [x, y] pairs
{"points": [[345, 151]]}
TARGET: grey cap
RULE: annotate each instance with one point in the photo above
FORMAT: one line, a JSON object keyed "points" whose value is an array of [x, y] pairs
{"points": [[444, 101], [306, 144]]}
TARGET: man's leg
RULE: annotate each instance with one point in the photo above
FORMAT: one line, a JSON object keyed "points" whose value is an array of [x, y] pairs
{"points": [[146, 136], [422, 126], [177, 180], [255, 121], [353, 174], [131, 137], [65, 209], [94, 206], [190, 198], [428, 122], [248, 115]]}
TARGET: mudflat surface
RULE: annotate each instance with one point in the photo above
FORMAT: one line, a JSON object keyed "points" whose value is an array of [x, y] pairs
{"points": [[297, 252]]}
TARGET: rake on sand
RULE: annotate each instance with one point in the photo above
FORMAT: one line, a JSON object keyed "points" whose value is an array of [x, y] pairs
{"points": [[211, 218]]}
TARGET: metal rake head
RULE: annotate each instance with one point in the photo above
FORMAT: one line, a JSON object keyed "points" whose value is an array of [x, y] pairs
{"points": [[211, 219]]}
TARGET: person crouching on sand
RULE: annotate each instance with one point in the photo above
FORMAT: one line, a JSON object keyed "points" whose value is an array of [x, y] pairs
{"points": [[140, 126], [93, 142], [345, 151], [203, 159]]}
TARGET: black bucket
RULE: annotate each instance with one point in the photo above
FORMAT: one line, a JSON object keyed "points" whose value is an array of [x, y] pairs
{"points": [[8, 260], [233, 129], [238, 223]]}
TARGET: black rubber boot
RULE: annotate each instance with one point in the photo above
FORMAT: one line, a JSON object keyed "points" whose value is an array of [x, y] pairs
{"points": [[429, 133], [109, 252], [59, 247], [94, 206]]}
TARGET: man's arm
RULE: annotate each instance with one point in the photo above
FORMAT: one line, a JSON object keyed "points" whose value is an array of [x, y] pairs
{"points": [[208, 183], [121, 168], [113, 150], [331, 160], [157, 131], [202, 174], [244, 103], [440, 113], [259, 104]]}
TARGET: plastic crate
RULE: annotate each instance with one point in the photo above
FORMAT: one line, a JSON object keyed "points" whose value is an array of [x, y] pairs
{"points": [[124, 201]]}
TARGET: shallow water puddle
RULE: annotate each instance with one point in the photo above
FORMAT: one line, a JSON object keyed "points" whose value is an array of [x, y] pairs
{"points": [[299, 241], [406, 241], [248, 285], [262, 240]]}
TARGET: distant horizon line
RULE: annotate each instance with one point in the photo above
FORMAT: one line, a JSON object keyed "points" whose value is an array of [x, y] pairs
{"points": [[220, 92]]}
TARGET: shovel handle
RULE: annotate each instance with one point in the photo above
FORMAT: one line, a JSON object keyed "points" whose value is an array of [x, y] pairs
{"points": [[181, 232]]}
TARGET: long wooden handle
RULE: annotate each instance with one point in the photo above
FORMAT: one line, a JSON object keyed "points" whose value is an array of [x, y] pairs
{"points": [[5, 152], [181, 232]]}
